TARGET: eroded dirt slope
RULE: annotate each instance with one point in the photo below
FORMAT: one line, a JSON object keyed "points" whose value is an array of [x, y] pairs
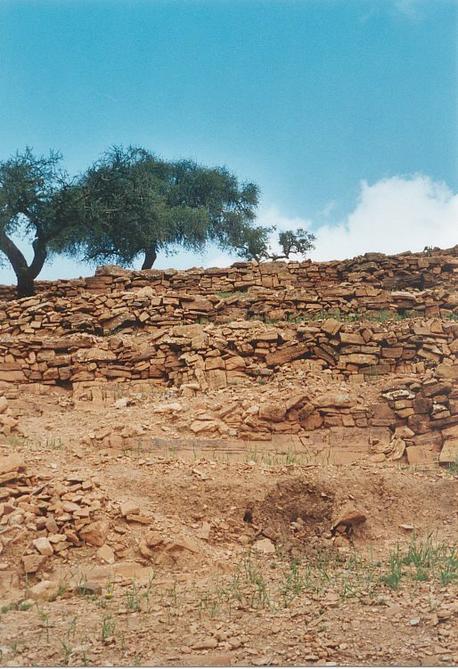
{"points": [[148, 557]]}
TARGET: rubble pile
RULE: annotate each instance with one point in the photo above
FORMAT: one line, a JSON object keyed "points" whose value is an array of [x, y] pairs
{"points": [[408, 418], [47, 514]]}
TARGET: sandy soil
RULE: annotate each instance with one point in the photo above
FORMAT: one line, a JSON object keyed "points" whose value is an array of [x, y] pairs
{"points": [[211, 553]]}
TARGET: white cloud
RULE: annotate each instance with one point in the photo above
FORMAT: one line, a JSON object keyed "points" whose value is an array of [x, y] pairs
{"points": [[391, 216], [221, 259]]}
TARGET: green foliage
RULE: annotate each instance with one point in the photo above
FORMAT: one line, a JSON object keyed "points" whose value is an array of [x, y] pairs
{"points": [[39, 202], [299, 242], [255, 244], [422, 561], [136, 203], [129, 203]]}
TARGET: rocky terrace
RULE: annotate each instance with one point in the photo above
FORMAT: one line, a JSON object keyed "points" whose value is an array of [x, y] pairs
{"points": [[218, 467]]}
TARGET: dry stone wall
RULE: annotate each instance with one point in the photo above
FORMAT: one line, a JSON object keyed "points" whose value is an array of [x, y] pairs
{"points": [[216, 356], [418, 271], [117, 300], [394, 323]]}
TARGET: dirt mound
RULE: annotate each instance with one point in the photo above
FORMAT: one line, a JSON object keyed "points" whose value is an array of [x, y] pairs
{"points": [[295, 507]]}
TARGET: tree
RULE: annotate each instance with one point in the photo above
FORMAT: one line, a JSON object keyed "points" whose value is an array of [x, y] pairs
{"points": [[256, 244], [136, 203], [37, 201], [128, 203]]}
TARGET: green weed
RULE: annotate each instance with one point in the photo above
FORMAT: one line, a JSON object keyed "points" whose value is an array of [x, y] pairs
{"points": [[67, 651], [292, 584], [108, 628], [422, 561], [132, 598]]}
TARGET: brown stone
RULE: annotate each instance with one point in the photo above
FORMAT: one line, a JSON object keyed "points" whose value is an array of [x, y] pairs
{"points": [[11, 463], [138, 518], [214, 363], [395, 352], [272, 411], [419, 424], [334, 399], [431, 439], [286, 354], [44, 591], [311, 421], [95, 533], [43, 546], [32, 563], [331, 326], [129, 507], [349, 518], [449, 452], [359, 359], [106, 554], [265, 546], [446, 371], [422, 405], [420, 455], [12, 376], [352, 338], [450, 432], [216, 378], [398, 447], [153, 539], [383, 415]]}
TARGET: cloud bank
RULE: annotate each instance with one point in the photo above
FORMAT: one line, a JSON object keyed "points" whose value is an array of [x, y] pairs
{"points": [[391, 216]]}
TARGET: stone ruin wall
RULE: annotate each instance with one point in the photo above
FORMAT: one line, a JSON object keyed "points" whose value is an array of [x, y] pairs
{"points": [[387, 320], [417, 271]]}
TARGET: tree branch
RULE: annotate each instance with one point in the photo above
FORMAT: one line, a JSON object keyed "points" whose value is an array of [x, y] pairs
{"points": [[14, 255], [39, 257]]}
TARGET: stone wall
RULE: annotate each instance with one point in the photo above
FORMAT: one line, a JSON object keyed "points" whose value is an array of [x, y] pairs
{"points": [[419, 271], [393, 326], [115, 300], [216, 356]]}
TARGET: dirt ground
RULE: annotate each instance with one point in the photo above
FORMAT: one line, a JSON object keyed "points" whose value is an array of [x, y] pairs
{"points": [[211, 553]]}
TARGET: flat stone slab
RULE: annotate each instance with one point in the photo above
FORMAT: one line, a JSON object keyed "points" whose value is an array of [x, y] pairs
{"points": [[449, 453]]}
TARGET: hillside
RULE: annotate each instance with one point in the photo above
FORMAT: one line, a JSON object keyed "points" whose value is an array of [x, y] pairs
{"points": [[251, 465]]}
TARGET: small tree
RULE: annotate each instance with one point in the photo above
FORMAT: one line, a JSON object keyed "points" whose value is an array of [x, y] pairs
{"points": [[138, 204], [256, 245], [37, 201]]}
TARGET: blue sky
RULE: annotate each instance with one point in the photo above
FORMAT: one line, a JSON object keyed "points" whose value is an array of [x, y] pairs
{"points": [[333, 107]]}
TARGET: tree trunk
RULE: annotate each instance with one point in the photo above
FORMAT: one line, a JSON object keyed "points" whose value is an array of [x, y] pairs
{"points": [[150, 258], [25, 284], [25, 274]]}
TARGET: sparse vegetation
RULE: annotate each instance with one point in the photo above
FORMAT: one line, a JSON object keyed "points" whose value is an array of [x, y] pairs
{"points": [[181, 521], [381, 316], [108, 628], [422, 561]]}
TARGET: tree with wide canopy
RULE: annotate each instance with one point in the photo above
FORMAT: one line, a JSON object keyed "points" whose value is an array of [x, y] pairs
{"points": [[128, 204]]}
